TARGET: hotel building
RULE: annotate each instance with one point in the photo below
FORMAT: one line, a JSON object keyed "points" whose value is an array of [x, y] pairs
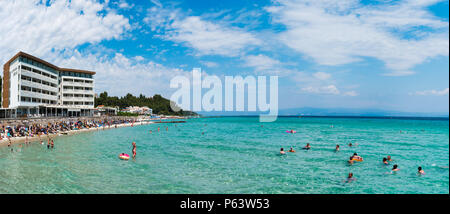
{"points": [[32, 87]]}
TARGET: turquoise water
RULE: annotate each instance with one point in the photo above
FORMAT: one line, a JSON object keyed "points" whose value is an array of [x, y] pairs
{"points": [[237, 155]]}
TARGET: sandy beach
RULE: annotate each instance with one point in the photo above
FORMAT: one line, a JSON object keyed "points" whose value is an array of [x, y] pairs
{"points": [[20, 140]]}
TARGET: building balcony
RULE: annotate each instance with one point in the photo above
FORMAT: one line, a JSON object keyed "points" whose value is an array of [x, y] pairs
{"points": [[38, 85], [38, 76], [38, 95]]}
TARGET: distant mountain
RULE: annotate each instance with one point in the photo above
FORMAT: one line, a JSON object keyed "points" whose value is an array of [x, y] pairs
{"points": [[309, 111]]}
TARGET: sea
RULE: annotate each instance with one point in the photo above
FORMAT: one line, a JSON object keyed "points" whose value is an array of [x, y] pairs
{"points": [[225, 155]]}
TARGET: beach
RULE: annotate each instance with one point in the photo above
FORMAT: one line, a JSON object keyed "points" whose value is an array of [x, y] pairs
{"points": [[127, 121]]}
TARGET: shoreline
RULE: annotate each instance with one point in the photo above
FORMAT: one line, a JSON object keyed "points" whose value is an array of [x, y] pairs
{"points": [[21, 140]]}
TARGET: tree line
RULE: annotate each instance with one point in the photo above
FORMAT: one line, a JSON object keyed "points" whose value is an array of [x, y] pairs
{"points": [[157, 103]]}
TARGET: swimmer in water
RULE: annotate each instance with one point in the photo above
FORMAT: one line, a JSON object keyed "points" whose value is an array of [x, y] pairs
{"points": [[350, 178], [282, 152], [307, 147], [167, 128], [158, 128], [337, 148], [351, 161], [395, 168], [356, 156], [389, 158], [291, 150], [420, 171], [350, 144], [385, 161], [134, 150], [150, 131]]}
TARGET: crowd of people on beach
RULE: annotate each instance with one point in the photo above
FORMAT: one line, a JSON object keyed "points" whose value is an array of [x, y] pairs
{"points": [[30, 129], [56, 127], [355, 158]]}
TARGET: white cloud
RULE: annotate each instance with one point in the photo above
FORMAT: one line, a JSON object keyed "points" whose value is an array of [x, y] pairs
{"points": [[319, 83], [338, 32], [207, 38], [118, 74], [431, 92], [210, 64], [263, 64], [322, 75], [33, 27], [139, 58], [54, 32], [329, 89], [124, 5], [156, 2]]}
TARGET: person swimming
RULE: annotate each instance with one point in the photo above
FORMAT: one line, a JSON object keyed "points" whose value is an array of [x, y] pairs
{"points": [[350, 144], [350, 178], [282, 152], [395, 168], [134, 150], [420, 171], [351, 161], [389, 158], [291, 150], [337, 148], [307, 147], [385, 161]]}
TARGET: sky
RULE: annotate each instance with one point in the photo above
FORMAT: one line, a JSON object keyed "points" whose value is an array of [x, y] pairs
{"points": [[381, 54]]}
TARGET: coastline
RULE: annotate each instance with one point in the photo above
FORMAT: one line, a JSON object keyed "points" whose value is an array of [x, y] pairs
{"points": [[21, 140]]}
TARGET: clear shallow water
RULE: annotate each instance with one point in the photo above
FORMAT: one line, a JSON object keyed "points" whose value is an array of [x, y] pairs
{"points": [[237, 155]]}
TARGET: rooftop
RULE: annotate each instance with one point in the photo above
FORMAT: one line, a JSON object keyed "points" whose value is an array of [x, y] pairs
{"points": [[47, 63]]}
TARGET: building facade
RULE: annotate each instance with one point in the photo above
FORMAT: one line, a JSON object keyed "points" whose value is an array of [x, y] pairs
{"points": [[138, 110], [32, 87]]}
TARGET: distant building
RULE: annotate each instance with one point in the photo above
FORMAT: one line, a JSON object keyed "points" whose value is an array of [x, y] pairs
{"points": [[102, 110], [139, 110], [32, 87]]}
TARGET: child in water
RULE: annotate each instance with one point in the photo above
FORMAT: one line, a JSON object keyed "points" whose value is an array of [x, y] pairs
{"points": [[350, 178], [395, 168], [351, 161], [420, 171], [291, 150], [307, 147], [134, 149], [282, 152], [385, 161], [337, 148]]}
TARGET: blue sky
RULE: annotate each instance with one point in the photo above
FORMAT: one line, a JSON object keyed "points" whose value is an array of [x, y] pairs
{"points": [[390, 55]]}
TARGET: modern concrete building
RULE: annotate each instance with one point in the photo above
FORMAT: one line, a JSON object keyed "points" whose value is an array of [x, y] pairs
{"points": [[32, 87]]}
